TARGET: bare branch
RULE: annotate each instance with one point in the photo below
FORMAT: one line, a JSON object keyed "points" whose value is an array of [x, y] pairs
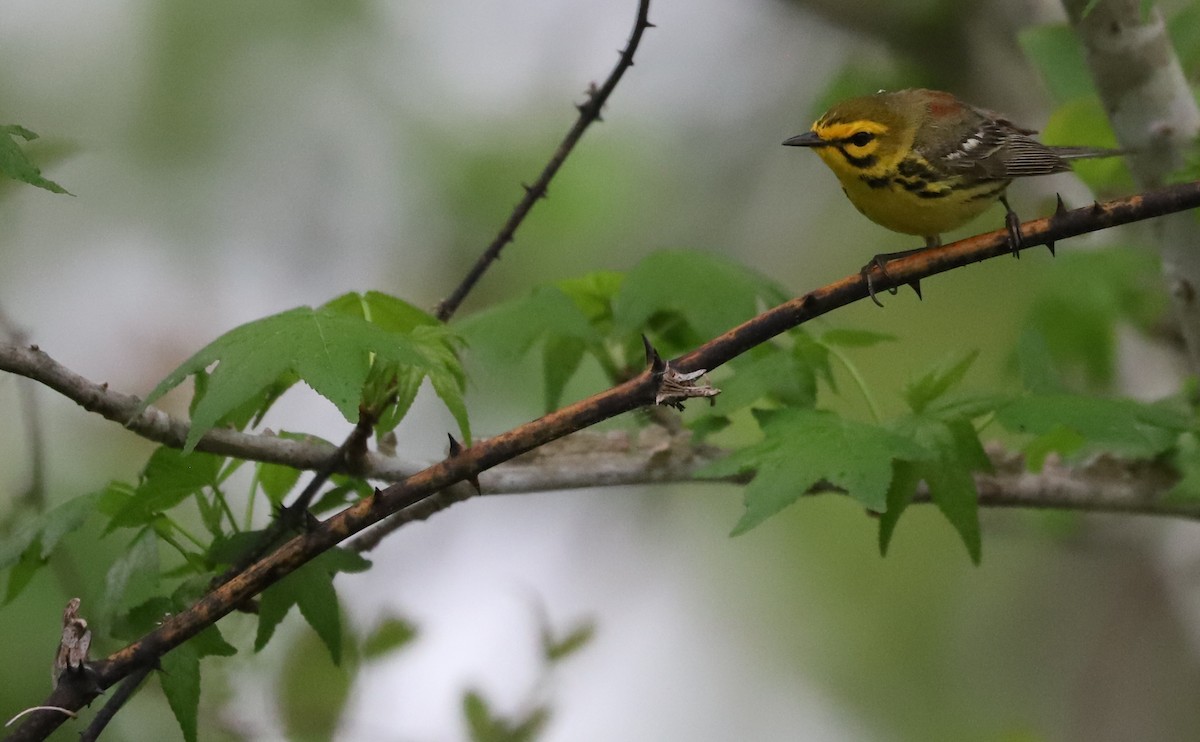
{"points": [[589, 112]]}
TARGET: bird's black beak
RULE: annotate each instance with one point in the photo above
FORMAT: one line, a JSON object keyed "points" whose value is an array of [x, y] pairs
{"points": [[807, 139]]}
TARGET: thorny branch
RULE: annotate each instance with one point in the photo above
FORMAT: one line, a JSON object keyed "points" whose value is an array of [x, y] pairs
{"points": [[421, 493], [589, 112]]}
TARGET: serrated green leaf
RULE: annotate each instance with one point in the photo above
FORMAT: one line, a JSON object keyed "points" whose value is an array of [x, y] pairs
{"points": [[20, 574], [408, 383], [180, 680], [330, 351], [389, 635], [30, 546], [561, 357], [593, 294], [954, 456], [768, 375], [931, 385], [277, 480], [510, 330], [905, 479], [802, 448], [169, 478], [15, 164], [703, 292], [134, 573], [847, 338], [388, 312], [1121, 426], [210, 643], [310, 588]]}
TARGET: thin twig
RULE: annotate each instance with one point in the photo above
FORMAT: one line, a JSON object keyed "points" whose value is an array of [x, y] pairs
{"points": [[423, 491], [114, 704], [589, 112]]}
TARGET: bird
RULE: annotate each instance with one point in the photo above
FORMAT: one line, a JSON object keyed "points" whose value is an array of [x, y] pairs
{"points": [[923, 162]]}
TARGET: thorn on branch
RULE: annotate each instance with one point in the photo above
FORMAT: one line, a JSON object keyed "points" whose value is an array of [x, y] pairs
{"points": [[456, 448], [653, 359]]}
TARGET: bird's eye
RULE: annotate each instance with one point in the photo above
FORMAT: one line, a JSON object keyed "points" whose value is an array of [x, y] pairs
{"points": [[861, 139]]}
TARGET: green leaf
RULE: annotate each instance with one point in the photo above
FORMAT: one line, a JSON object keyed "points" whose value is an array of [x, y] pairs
{"points": [[310, 588], [1058, 56], [169, 478], [771, 375], [802, 448], [209, 642], [549, 316], [1084, 122], [388, 312], [277, 480], [389, 635], [905, 478], [16, 165], [134, 574], [1184, 29], [693, 295], [312, 693], [330, 351], [485, 726], [556, 649], [180, 679], [1036, 365], [510, 330], [29, 548], [1074, 425], [561, 358], [1186, 460], [848, 338], [925, 389], [1081, 298], [593, 295], [954, 455]]}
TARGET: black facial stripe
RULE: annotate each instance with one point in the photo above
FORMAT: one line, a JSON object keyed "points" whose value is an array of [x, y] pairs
{"points": [[863, 163]]}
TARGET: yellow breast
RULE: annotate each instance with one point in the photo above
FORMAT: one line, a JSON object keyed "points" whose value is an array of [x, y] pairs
{"points": [[909, 199]]}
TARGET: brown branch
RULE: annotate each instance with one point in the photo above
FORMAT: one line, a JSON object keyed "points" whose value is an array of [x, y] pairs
{"points": [[589, 112], [420, 492]]}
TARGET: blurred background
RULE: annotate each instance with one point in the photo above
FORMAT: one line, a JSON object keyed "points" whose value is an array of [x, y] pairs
{"points": [[229, 160]]}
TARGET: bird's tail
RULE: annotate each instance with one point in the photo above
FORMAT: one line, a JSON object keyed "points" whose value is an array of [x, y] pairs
{"points": [[1084, 153]]}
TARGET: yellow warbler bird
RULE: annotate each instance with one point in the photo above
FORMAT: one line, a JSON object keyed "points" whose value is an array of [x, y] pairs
{"points": [[923, 162]]}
